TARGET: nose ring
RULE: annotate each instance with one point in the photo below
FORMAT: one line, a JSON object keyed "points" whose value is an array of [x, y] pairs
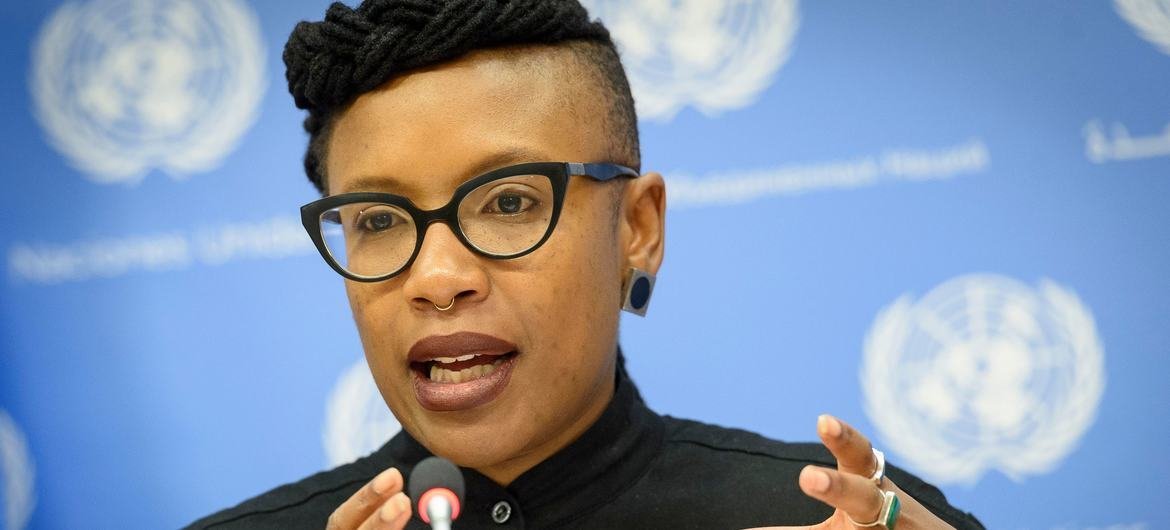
{"points": [[449, 306]]}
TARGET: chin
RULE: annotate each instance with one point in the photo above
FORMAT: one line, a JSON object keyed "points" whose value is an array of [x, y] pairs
{"points": [[474, 442]]}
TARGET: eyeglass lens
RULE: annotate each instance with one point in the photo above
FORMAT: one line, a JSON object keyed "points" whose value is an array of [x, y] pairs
{"points": [[501, 218]]}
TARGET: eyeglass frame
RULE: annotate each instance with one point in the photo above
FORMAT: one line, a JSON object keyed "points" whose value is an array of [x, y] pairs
{"points": [[558, 174]]}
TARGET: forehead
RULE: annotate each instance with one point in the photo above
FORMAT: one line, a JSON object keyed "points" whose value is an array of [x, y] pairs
{"points": [[429, 130]]}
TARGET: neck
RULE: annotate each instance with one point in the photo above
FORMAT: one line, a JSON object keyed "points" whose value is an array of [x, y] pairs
{"points": [[503, 473]]}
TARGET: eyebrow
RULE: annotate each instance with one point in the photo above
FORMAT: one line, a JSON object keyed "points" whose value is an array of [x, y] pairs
{"points": [[506, 157]]}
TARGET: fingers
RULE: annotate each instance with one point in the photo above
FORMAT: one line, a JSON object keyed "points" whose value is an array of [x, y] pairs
{"points": [[376, 496], [857, 496], [392, 515], [852, 449]]}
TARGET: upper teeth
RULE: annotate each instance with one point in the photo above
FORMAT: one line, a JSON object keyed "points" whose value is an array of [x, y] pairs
{"points": [[459, 359]]}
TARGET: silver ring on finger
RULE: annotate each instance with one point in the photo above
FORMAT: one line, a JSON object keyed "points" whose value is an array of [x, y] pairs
{"points": [[879, 472], [887, 516]]}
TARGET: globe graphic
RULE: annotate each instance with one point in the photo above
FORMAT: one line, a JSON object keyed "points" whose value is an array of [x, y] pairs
{"points": [[152, 79], [712, 55], [971, 365], [122, 87], [983, 372]]}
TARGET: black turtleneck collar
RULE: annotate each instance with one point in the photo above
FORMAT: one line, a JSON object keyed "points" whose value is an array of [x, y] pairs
{"points": [[608, 458]]}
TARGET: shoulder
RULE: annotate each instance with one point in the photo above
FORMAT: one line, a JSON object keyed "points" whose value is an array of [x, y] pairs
{"points": [[747, 458], [306, 503], [716, 440]]}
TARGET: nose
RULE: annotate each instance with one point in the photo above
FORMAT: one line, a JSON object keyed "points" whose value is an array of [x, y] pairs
{"points": [[444, 272]]}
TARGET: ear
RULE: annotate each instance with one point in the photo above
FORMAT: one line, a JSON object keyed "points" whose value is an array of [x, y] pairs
{"points": [[642, 222]]}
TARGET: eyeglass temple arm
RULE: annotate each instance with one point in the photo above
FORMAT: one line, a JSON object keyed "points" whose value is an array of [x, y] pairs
{"points": [[601, 171]]}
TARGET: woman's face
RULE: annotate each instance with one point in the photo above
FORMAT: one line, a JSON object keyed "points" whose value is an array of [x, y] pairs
{"points": [[545, 324]]}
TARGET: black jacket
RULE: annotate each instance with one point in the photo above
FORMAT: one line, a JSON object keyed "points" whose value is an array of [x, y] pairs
{"points": [[632, 469]]}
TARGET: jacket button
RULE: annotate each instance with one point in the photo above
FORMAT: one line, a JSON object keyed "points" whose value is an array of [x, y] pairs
{"points": [[501, 512]]}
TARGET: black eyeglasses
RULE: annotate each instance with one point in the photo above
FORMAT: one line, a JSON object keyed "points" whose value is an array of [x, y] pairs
{"points": [[502, 214]]}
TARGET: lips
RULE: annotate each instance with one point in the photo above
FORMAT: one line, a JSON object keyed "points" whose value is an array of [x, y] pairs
{"points": [[460, 371]]}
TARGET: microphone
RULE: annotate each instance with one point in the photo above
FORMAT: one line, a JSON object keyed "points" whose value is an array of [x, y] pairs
{"points": [[436, 486]]}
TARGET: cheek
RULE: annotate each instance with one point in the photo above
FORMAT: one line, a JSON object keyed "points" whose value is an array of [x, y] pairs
{"points": [[359, 296], [574, 295], [371, 313]]}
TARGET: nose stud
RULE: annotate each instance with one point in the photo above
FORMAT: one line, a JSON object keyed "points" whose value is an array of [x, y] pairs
{"points": [[449, 306]]}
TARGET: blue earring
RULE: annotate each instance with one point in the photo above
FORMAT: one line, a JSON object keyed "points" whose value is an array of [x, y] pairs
{"points": [[637, 287]]}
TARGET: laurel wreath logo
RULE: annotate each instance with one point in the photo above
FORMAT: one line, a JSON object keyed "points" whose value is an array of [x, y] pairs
{"points": [[19, 475], [983, 373], [714, 55], [122, 87]]}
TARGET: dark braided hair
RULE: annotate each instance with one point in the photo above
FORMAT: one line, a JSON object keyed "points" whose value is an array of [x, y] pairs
{"points": [[353, 51]]}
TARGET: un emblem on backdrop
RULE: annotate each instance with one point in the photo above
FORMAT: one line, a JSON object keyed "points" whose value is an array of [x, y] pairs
{"points": [[983, 372], [17, 471], [122, 87], [357, 421], [713, 55]]}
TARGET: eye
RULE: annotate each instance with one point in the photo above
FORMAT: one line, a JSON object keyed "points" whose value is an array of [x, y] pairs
{"points": [[510, 203], [378, 220]]}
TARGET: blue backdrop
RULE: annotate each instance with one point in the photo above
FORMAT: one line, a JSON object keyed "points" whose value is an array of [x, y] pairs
{"points": [[942, 221]]}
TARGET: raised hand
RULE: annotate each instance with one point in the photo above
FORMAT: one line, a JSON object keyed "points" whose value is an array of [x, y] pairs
{"points": [[858, 488], [379, 504]]}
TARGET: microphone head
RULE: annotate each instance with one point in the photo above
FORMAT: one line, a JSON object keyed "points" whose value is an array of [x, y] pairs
{"points": [[436, 476]]}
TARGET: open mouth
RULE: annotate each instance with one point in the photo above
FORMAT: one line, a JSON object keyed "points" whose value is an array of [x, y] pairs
{"points": [[461, 371], [464, 368]]}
